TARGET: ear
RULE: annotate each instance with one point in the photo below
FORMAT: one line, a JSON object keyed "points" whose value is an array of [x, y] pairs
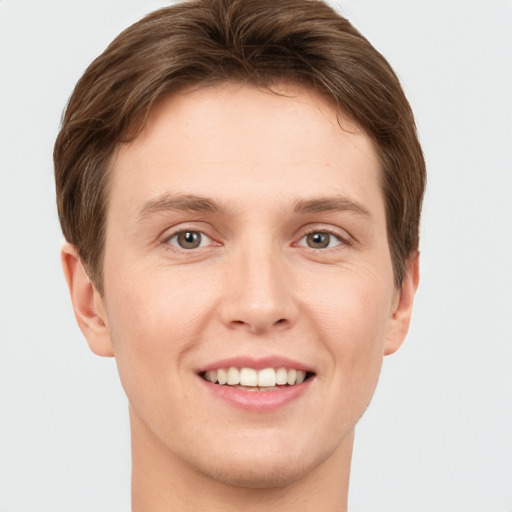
{"points": [[401, 317], [87, 303]]}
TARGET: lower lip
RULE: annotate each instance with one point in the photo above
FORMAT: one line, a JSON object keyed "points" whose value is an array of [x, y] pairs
{"points": [[258, 401]]}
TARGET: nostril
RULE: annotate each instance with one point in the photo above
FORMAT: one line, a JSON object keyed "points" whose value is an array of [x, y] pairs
{"points": [[259, 325]]}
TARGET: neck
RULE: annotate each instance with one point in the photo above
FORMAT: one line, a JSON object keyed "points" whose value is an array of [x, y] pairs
{"points": [[163, 482]]}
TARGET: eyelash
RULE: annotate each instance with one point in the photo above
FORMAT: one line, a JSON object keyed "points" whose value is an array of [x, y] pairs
{"points": [[176, 234], [342, 240]]}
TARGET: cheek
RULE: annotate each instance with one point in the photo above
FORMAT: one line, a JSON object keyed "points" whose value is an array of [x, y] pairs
{"points": [[354, 308], [155, 305], [154, 322], [152, 331], [353, 318]]}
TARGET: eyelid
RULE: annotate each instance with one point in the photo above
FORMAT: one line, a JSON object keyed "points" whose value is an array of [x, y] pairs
{"points": [[171, 233], [177, 233], [340, 234]]}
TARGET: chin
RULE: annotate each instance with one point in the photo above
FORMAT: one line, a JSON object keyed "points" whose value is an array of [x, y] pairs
{"points": [[272, 465], [250, 474]]}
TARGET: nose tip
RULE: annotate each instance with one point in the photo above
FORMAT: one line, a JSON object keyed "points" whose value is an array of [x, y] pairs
{"points": [[258, 296]]}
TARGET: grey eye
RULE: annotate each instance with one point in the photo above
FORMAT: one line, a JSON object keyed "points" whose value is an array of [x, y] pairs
{"points": [[189, 240]]}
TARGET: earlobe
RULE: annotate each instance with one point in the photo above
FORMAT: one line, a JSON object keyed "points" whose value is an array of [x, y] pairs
{"points": [[87, 303], [401, 317]]}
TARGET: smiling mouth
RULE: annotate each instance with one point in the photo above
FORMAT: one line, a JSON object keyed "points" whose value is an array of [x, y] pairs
{"points": [[250, 379]]}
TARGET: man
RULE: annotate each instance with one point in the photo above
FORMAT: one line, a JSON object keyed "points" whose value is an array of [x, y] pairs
{"points": [[240, 186]]}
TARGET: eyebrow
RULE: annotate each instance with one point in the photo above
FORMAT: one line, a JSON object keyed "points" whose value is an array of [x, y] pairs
{"points": [[330, 204], [173, 202], [192, 203]]}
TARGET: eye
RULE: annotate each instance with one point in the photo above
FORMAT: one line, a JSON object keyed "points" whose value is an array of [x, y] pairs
{"points": [[320, 240], [189, 240]]}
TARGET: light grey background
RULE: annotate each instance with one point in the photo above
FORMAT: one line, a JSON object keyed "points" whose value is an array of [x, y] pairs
{"points": [[438, 435]]}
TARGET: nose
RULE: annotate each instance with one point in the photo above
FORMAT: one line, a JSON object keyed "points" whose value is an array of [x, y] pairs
{"points": [[258, 295]]}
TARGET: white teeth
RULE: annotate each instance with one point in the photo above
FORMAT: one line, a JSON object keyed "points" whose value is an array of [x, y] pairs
{"points": [[281, 376], [267, 377], [291, 378], [263, 380], [233, 376], [300, 376], [211, 376], [248, 377], [222, 376]]}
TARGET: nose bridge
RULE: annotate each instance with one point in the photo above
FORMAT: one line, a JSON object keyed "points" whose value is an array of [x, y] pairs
{"points": [[258, 295]]}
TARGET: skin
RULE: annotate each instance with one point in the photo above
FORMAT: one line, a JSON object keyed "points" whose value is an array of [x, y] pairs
{"points": [[254, 286]]}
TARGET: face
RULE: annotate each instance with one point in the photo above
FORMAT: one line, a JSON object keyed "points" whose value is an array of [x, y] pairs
{"points": [[246, 241]]}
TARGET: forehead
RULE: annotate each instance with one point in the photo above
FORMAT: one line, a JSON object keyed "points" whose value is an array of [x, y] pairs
{"points": [[228, 139]]}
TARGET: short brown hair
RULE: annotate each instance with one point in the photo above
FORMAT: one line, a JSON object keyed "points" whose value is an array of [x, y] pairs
{"points": [[261, 42]]}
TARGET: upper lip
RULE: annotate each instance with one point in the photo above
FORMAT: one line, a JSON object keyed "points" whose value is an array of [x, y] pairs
{"points": [[256, 363]]}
